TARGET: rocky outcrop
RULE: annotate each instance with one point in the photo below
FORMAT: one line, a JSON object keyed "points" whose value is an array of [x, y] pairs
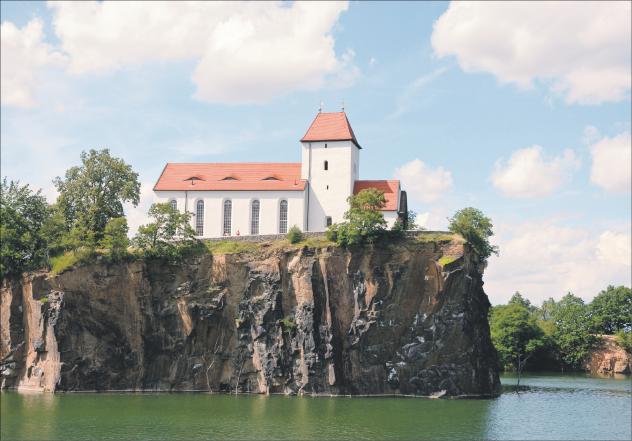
{"points": [[375, 320], [608, 358]]}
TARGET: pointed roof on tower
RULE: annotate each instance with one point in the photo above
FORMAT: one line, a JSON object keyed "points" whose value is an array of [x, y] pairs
{"points": [[330, 126]]}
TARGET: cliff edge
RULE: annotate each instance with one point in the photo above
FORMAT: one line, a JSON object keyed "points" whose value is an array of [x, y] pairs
{"points": [[409, 318]]}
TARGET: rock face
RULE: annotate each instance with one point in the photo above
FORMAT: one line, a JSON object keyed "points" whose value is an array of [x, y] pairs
{"points": [[609, 358], [375, 320]]}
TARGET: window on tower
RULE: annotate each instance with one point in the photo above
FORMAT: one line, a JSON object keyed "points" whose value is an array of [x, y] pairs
{"points": [[326, 165], [328, 221]]}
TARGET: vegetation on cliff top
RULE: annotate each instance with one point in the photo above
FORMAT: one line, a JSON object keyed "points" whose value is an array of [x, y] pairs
{"points": [[559, 334]]}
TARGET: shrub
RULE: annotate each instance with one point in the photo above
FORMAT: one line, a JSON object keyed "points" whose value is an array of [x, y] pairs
{"points": [[115, 239], [624, 339], [295, 235], [476, 228], [364, 221]]}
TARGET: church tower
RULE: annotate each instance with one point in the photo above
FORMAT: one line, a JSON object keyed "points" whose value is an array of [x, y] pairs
{"points": [[330, 163]]}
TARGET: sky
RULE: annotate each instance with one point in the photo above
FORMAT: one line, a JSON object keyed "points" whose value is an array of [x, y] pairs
{"points": [[519, 109]]}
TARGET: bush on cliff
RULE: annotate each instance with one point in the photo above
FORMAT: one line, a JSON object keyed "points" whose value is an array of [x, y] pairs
{"points": [[364, 222], [476, 228], [295, 235], [115, 240], [169, 236]]}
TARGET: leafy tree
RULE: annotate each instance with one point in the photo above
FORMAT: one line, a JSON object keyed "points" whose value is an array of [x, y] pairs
{"points": [[518, 299], [364, 222], [295, 235], [611, 310], [169, 235], [515, 335], [476, 228], [573, 330], [94, 192], [22, 214], [115, 238]]}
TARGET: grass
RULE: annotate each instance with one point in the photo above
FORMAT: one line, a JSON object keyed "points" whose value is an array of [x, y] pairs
{"points": [[435, 237], [316, 242], [230, 247], [446, 260], [70, 259], [61, 263]]}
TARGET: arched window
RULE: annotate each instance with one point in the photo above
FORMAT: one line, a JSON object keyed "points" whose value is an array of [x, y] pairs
{"points": [[174, 204], [199, 218], [254, 217], [283, 217], [326, 165], [228, 212]]}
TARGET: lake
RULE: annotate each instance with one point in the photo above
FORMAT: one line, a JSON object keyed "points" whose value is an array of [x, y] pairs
{"points": [[555, 407]]}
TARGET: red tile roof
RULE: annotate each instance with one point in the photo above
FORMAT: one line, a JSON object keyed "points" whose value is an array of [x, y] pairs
{"points": [[332, 126], [245, 176], [390, 189]]}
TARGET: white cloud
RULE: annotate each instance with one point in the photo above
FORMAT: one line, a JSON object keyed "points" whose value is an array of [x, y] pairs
{"points": [[23, 57], [611, 163], [245, 52], [423, 183], [528, 174], [590, 135], [580, 49], [544, 259]]}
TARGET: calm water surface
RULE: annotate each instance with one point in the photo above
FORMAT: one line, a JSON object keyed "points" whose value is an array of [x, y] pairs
{"points": [[554, 407]]}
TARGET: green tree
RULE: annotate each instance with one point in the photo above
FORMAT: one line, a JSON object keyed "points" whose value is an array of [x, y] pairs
{"points": [[409, 223], [364, 221], [573, 331], [518, 299], [515, 334], [611, 310], [169, 235], [294, 235], [115, 239], [22, 214], [476, 228], [94, 192]]}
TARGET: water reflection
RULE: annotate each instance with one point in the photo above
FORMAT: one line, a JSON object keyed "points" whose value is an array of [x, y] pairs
{"points": [[554, 408]]}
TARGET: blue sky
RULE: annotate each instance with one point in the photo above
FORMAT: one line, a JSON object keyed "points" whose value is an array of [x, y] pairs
{"points": [[452, 99]]}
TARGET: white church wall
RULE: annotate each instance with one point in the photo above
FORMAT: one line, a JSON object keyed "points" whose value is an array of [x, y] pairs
{"points": [[269, 209], [390, 217], [329, 189]]}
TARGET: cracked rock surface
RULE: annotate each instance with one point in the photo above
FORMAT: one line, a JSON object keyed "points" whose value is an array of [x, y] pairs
{"points": [[373, 320]]}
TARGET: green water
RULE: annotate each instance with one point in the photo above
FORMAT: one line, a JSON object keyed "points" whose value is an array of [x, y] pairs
{"points": [[555, 407]]}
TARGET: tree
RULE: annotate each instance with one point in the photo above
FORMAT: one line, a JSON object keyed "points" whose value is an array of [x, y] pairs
{"points": [[295, 235], [611, 310], [573, 330], [169, 235], [476, 228], [409, 223], [94, 192], [515, 335], [22, 214], [364, 222], [519, 300], [115, 238]]}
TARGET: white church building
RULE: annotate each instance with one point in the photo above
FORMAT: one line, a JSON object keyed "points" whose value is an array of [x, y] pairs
{"points": [[228, 199]]}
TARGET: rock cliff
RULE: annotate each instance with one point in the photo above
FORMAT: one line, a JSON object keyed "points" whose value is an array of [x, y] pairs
{"points": [[404, 318], [608, 358]]}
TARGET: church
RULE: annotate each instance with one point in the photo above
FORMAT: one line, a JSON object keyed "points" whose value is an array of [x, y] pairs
{"points": [[252, 198]]}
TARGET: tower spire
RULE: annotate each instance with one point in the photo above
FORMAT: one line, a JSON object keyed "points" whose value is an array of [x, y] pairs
{"points": [[320, 108], [343, 105]]}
